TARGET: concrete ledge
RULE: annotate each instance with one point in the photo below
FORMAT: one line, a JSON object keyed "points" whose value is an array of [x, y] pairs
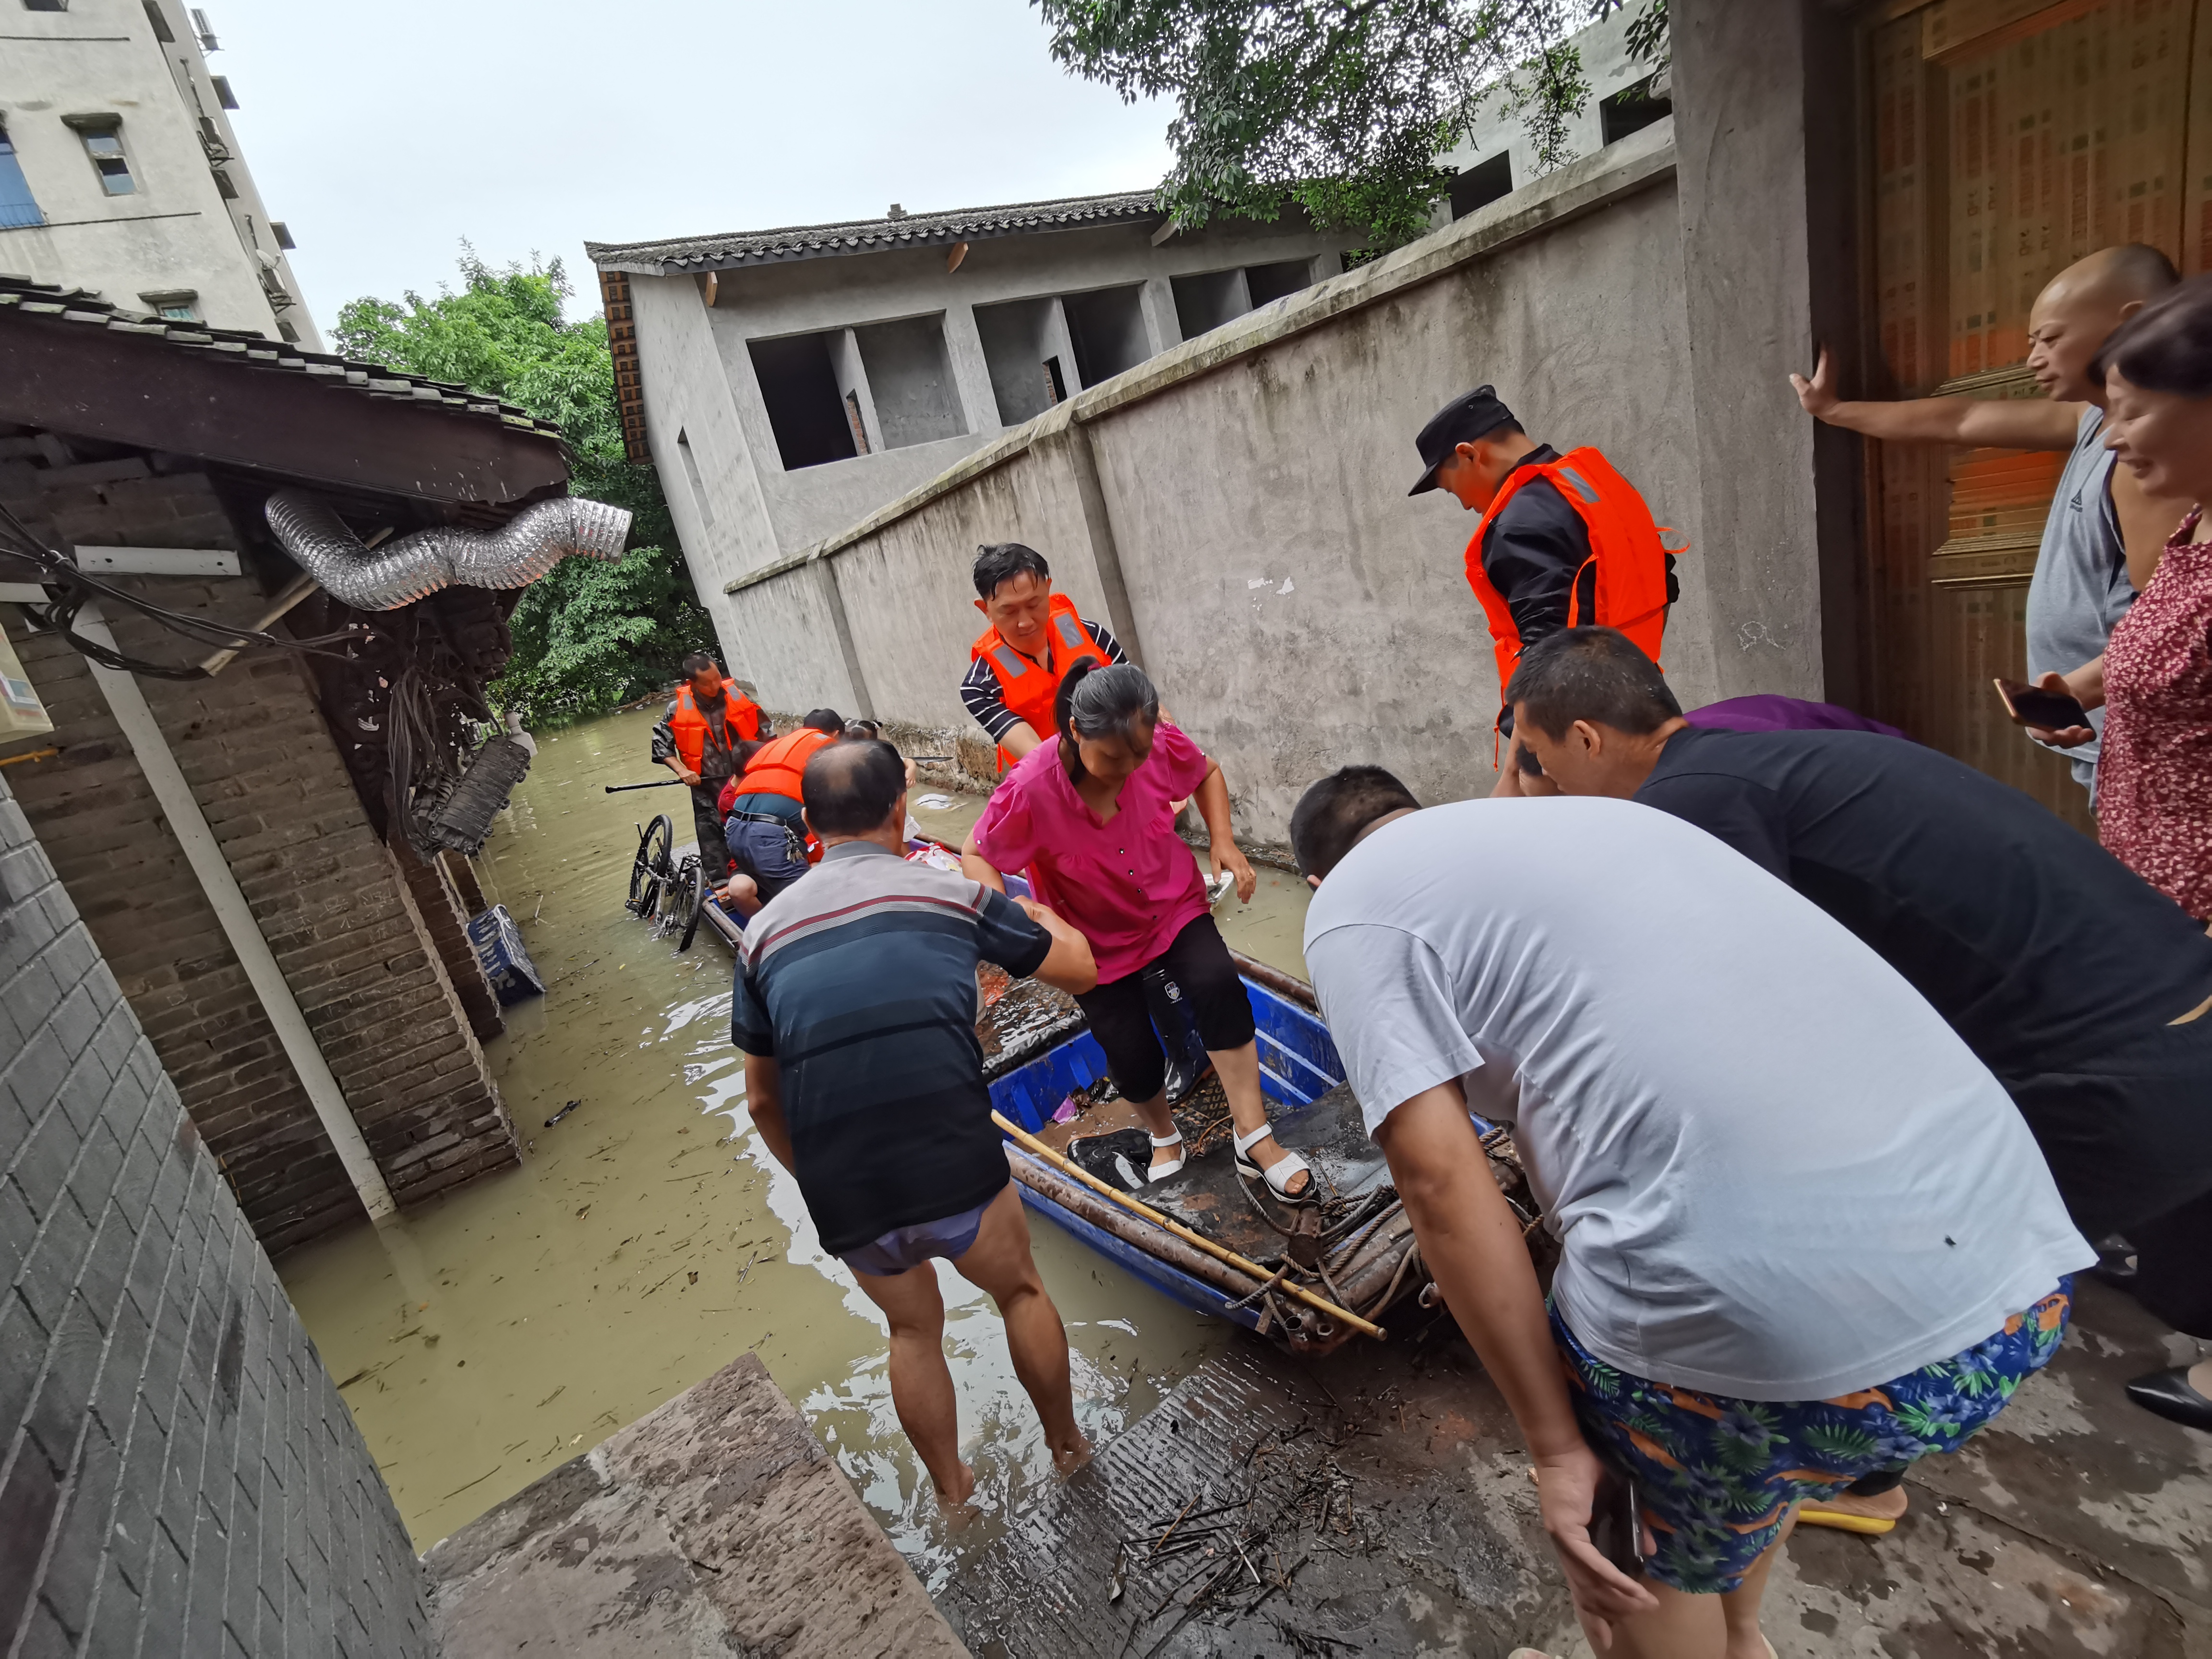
{"points": [[1636, 163], [715, 1524]]}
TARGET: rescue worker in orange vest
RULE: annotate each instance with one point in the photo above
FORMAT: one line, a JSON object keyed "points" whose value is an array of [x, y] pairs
{"points": [[1016, 664], [1564, 539], [766, 835], [698, 740]]}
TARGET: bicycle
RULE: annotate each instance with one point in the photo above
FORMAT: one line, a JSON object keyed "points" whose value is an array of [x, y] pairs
{"points": [[654, 874]]}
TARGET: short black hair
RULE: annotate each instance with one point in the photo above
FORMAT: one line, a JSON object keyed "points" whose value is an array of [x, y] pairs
{"points": [[742, 752], [824, 719], [2167, 345], [1593, 674], [999, 562], [851, 787], [698, 663], [1331, 814]]}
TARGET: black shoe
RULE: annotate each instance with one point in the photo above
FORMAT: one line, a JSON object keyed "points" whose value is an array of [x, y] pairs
{"points": [[2170, 1395]]}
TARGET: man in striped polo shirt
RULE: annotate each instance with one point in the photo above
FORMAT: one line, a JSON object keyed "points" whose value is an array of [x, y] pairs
{"points": [[855, 1009]]}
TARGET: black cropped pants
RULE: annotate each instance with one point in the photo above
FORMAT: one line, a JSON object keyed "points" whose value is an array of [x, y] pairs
{"points": [[1199, 964]]}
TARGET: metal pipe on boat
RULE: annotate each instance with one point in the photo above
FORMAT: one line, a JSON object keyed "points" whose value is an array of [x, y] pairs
{"points": [[1036, 1148]]}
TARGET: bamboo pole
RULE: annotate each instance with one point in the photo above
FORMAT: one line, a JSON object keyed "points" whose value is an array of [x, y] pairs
{"points": [[1030, 1144]]}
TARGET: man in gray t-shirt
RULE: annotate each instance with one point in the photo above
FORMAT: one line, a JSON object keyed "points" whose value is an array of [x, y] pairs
{"points": [[2080, 587]]}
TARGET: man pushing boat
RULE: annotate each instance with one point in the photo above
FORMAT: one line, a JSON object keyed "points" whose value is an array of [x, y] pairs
{"points": [[855, 1009]]}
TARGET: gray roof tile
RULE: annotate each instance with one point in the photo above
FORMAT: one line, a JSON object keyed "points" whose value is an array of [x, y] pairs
{"points": [[750, 247]]}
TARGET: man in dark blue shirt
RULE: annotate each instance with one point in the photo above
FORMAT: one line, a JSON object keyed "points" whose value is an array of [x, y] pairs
{"points": [[2087, 991], [856, 1008]]}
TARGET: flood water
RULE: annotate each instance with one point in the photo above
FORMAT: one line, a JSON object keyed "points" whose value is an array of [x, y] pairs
{"points": [[648, 1238]]}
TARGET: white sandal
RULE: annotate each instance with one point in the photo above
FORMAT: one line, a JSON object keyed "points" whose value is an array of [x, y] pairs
{"points": [[1277, 1175], [1162, 1171]]}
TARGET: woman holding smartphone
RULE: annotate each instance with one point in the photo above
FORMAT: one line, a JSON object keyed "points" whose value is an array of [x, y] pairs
{"points": [[2154, 680]]}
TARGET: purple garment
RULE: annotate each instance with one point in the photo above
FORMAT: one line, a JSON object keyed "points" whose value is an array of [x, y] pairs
{"points": [[1768, 712]]}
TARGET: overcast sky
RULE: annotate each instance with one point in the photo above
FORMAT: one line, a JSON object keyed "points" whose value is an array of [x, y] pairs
{"points": [[383, 134]]}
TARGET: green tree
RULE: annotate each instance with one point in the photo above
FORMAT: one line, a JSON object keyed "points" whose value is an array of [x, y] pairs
{"points": [[1342, 106], [589, 636]]}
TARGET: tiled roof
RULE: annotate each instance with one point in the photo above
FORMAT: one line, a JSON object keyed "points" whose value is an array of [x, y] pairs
{"points": [[753, 247], [20, 294]]}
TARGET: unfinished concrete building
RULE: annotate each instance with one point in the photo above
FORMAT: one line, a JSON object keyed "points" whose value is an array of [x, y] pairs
{"points": [[120, 173], [244, 837], [789, 382]]}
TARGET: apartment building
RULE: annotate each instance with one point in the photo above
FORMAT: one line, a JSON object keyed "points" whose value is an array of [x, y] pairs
{"points": [[120, 172]]}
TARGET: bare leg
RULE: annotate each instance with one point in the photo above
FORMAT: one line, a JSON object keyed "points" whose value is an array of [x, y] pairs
{"points": [[1239, 1071], [741, 896], [1687, 1626], [1000, 1264], [921, 1382]]}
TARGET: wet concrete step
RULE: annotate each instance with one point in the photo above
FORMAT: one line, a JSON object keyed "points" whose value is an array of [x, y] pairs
{"points": [[1378, 1495], [715, 1524]]}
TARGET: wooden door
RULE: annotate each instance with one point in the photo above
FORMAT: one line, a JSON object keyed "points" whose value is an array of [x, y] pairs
{"points": [[2009, 138]]}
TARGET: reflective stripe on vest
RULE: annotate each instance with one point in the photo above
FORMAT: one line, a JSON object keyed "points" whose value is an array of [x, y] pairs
{"points": [[1629, 561]]}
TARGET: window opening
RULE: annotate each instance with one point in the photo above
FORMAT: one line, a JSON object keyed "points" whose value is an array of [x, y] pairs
{"points": [[283, 236], [285, 331], [45, 5], [178, 305], [1272, 281], [1055, 385], [160, 23], [1107, 329], [805, 409], [1017, 336], [1632, 109], [18, 207], [223, 94], [1481, 185], [1206, 301], [103, 144], [859, 427], [691, 476], [909, 380]]}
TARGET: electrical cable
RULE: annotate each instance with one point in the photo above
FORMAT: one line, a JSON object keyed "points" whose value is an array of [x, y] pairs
{"points": [[55, 570]]}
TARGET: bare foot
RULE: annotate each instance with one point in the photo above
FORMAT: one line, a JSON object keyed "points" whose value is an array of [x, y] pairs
{"points": [[1075, 1455], [1880, 1506], [954, 1501]]}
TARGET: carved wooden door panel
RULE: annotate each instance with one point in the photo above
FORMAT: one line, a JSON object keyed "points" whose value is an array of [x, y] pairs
{"points": [[2009, 138]]}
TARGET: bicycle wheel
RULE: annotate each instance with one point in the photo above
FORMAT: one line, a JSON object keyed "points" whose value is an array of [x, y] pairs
{"points": [[651, 870], [691, 887]]}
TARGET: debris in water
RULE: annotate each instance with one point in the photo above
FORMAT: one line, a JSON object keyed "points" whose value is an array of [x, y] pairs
{"points": [[563, 1113]]}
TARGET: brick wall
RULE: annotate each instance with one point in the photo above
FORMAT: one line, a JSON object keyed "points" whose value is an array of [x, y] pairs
{"points": [[326, 894], [178, 1473]]}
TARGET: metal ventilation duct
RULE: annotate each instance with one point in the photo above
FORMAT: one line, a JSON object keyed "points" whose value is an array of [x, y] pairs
{"points": [[400, 572]]}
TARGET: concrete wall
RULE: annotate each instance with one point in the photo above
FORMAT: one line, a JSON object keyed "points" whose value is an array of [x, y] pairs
{"points": [[1239, 503], [177, 1475], [176, 230]]}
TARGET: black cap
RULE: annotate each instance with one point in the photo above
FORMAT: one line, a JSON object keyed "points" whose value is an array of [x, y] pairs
{"points": [[1461, 421]]}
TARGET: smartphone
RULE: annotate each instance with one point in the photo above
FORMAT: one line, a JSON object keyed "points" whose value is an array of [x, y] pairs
{"points": [[1529, 764], [1617, 1516], [2054, 711]]}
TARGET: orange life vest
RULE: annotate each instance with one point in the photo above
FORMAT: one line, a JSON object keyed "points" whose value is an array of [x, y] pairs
{"points": [[1028, 689], [1630, 585], [777, 767], [688, 727]]}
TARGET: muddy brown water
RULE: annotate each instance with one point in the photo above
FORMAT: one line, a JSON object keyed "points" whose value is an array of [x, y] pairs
{"points": [[648, 1238]]}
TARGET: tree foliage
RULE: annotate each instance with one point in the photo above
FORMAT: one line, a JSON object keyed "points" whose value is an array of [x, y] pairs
{"points": [[1342, 106], [589, 636]]}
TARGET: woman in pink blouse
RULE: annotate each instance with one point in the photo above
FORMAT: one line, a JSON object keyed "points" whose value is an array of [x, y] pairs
{"points": [[1090, 815]]}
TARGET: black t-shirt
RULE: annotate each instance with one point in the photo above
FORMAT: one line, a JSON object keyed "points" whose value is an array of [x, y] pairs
{"points": [[1532, 551], [2042, 949]]}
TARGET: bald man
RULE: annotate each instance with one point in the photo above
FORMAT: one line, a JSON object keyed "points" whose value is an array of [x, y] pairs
{"points": [[2104, 534]]}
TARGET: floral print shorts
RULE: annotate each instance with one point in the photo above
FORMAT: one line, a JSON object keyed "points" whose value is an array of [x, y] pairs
{"points": [[1720, 1475]]}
